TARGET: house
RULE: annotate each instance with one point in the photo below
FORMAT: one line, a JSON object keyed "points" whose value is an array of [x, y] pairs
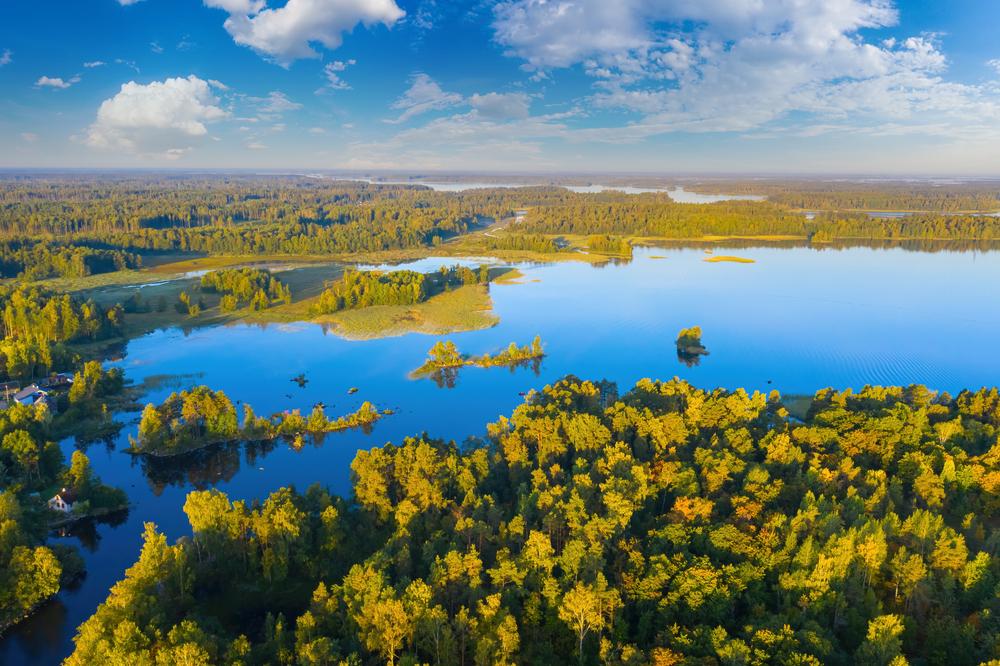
{"points": [[31, 395], [63, 500], [57, 380]]}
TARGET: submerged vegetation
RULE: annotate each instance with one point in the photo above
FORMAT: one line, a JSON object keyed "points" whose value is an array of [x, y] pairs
{"points": [[668, 525], [200, 417]]}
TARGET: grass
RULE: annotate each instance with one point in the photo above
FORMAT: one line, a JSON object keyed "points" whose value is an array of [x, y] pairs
{"points": [[467, 308], [726, 258], [513, 276]]}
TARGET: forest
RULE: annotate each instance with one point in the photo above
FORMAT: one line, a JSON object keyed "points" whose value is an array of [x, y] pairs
{"points": [[32, 468], [607, 244], [200, 417], [362, 289], [80, 225], [246, 286], [668, 525], [37, 324], [37, 260]]}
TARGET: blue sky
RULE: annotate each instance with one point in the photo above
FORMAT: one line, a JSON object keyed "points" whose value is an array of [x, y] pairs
{"points": [[672, 86]]}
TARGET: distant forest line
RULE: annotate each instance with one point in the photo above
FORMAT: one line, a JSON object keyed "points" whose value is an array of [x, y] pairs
{"points": [[77, 226]]}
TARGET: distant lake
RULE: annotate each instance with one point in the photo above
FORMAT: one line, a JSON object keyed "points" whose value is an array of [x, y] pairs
{"points": [[678, 194], [797, 320]]}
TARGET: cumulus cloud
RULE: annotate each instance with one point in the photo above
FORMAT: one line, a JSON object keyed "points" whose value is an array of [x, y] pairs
{"points": [[288, 33], [737, 65], [55, 82], [424, 94], [162, 118], [995, 64]]}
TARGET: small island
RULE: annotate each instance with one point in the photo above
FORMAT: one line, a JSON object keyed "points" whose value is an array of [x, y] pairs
{"points": [[444, 356], [689, 346], [725, 258], [199, 418]]}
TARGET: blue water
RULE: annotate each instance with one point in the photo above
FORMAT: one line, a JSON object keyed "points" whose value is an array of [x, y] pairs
{"points": [[797, 320]]}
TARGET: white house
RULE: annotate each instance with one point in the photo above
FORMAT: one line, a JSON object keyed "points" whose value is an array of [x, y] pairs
{"points": [[63, 500]]}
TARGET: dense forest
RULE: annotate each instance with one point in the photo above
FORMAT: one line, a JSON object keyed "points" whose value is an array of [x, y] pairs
{"points": [[34, 260], [255, 287], [32, 467], [951, 197], [362, 289], [670, 525], [75, 226], [525, 242], [36, 323], [749, 218]]}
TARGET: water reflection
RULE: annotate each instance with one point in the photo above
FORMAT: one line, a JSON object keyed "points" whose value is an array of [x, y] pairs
{"points": [[447, 378], [86, 533]]}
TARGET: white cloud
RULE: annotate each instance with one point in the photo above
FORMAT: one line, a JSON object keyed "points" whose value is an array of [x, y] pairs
{"points": [[332, 72], [55, 82], [288, 33], [995, 64], [126, 3], [160, 118], [275, 103], [94, 63], [464, 140], [737, 65], [155, 47], [237, 6], [501, 106], [424, 94], [6, 57]]}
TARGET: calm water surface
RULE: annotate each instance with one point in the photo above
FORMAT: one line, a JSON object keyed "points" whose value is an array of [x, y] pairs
{"points": [[797, 320]]}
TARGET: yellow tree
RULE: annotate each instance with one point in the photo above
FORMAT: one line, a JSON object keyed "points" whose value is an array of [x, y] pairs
{"points": [[587, 608]]}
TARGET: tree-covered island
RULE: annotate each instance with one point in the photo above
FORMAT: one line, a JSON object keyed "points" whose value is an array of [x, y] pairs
{"points": [[200, 417], [444, 356], [689, 345]]}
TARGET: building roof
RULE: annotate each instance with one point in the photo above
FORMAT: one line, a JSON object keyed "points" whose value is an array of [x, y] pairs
{"points": [[27, 392]]}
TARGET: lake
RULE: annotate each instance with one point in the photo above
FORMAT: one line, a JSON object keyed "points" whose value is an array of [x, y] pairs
{"points": [[797, 320], [678, 194]]}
